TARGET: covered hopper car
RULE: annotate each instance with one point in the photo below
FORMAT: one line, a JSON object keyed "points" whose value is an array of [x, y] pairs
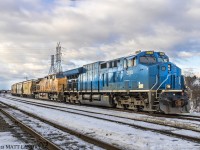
{"points": [[28, 88]]}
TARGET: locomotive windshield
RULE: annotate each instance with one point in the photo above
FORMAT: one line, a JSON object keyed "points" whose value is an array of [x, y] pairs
{"points": [[148, 60], [162, 59]]}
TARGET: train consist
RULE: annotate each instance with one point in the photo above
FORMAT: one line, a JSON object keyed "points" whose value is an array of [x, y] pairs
{"points": [[146, 81]]}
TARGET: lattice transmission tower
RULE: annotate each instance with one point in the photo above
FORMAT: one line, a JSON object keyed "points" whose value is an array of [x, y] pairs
{"points": [[58, 65], [52, 68]]}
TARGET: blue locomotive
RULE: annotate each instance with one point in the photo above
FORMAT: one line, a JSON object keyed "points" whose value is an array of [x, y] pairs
{"points": [[146, 81]]}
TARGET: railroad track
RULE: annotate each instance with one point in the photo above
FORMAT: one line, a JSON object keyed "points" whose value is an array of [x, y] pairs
{"points": [[133, 122], [15, 136], [175, 116], [180, 117], [45, 142], [189, 117], [157, 114], [48, 139]]}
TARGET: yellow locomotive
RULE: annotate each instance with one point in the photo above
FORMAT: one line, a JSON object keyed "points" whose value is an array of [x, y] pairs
{"points": [[49, 87]]}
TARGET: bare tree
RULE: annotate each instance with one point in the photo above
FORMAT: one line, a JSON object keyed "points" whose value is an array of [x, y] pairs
{"points": [[193, 82]]}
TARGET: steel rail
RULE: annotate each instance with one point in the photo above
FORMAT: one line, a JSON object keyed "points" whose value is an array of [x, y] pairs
{"points": [[136, 119], [86, 138], [178, 116], [45, 142], [190, 117], [166, 132]]}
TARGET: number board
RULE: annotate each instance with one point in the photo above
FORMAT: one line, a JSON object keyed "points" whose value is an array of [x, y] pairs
{"points": [[149, 52], [162, 54]]}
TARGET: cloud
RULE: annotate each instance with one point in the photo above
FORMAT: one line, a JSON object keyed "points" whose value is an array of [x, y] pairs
{"points": [[185, 54], [92, 30]]}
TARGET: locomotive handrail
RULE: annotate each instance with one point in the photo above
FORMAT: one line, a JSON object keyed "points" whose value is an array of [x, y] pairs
{"points": [[162, 83], [155, 83]]}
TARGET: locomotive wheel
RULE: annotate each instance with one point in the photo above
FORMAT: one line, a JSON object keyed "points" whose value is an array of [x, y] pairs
{"points": [[79, 103], [125, 106]]}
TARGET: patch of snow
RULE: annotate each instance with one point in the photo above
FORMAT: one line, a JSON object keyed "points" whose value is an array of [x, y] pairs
{"points": [[197, 82], [124, 136], [63, 139]]}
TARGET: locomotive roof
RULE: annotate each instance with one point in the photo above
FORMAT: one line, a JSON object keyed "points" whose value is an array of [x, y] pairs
{"points": [[73, 71], [132, 55], [79, 70], [136, 54]]}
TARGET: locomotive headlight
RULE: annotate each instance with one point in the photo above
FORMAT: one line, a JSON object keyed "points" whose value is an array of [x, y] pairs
{"points": [[169, 67], [168, 86]]}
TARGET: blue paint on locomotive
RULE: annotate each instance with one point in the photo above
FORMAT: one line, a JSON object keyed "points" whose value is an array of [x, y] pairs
{"points": [[146, 70], [73, 72]]}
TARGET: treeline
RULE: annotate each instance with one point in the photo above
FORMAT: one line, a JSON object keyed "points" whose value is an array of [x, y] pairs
{"points": [[193, 82]]}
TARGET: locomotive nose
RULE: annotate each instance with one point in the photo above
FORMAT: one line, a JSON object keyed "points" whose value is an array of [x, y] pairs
{"points": [[169, 76], [166, 68]]}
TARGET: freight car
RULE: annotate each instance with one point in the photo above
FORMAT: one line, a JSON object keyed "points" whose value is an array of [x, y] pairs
{"points": [[19, 89], [23, 89], [146, 81], [28, 88], [14, 89]]}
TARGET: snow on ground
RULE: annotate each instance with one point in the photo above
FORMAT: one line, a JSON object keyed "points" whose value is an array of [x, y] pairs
{"points": [[65, 140], [124, 136], [169, 121], [8, 141], [195, 113], [7, 137], [195, 110], [12, 137]]}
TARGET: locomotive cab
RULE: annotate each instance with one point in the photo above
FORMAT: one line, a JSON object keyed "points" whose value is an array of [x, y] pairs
{"points": [[150, 82], [165, 82], [172, 97]]}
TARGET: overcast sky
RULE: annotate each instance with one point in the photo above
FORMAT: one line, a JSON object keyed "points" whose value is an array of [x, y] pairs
{"points": [[91, 30]]}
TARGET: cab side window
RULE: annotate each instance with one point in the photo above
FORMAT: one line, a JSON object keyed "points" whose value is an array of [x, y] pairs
{"points": [[132, 62], [125, 63]]}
